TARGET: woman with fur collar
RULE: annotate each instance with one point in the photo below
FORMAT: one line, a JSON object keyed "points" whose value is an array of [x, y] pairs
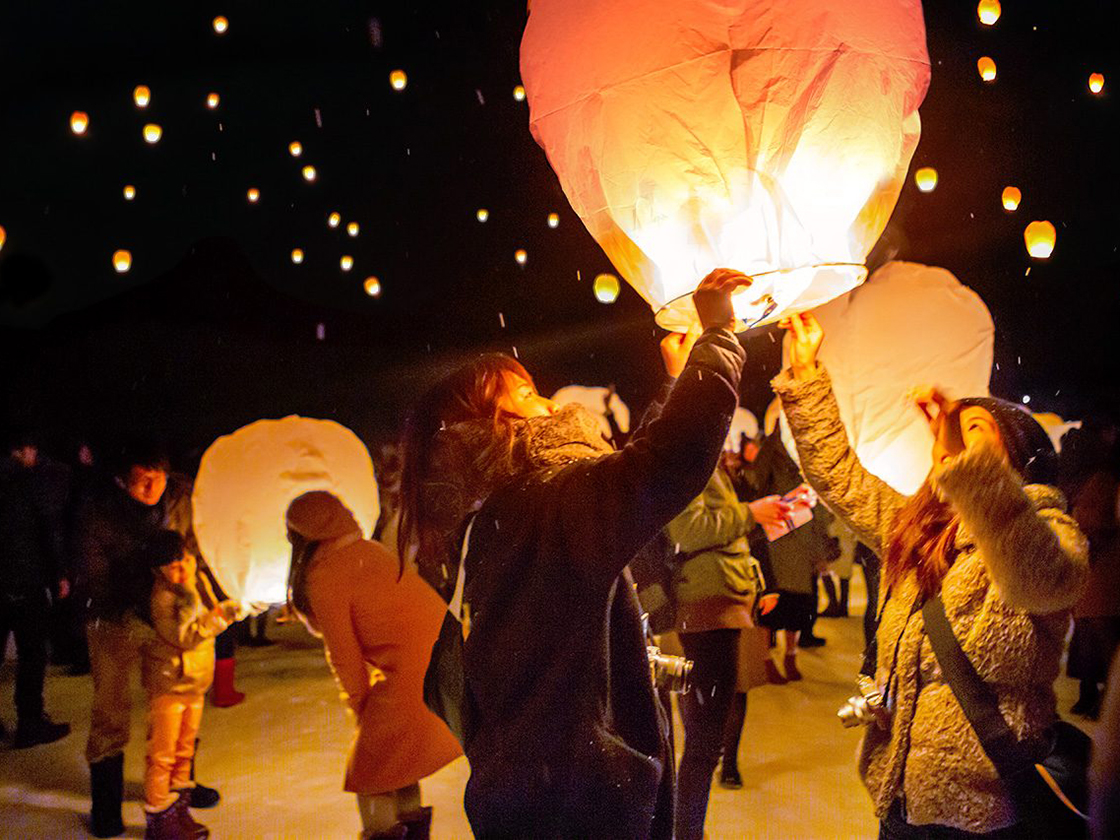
{"points": [[991, 535]]}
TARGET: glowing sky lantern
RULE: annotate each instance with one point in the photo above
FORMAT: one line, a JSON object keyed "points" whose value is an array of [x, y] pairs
{"points": [[1096, 82], [141, 95], [247, 480], [1040, 238], [743, 422], [1011, 198], [297, 255], [483, 214], [254, 195], [910, 326], [606, 288], [353, 228], [372, 286], [398, 79], [3, 236], [212, 100], [122, 260], [221, 25], [79, 122], [554, 220], [309, 173], [152, 133], [129, 192], [519, 93], [295, 148], [521, 256], [334, 220], [769, 137], [926, 179], [988, 11], [594, 399], [346, 262], [987, 68]]}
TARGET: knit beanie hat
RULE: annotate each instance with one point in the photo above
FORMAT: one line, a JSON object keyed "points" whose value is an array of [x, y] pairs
{"points": [[165, 547], [1028, 446]]}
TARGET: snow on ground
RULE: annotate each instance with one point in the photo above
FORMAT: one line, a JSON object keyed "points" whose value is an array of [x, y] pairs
{"points": [[278, 757]]}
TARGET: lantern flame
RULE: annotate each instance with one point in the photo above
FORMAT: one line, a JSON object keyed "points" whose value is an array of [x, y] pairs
{"points": [[1011, 198], [141, 95], [483, 214], [1096, 82], [212, 100], [398, 79], [521, 256], [221, 25], [372, 286], [122, 260], [129, 192], [988, 11], [346, 263], [152, 133], [1040, 238], [606, 288], [79, 122], [297, 255], [987, 68], [926, 179]]}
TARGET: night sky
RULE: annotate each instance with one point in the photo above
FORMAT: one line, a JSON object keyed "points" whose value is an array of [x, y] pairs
{"points": [[214, 325]]}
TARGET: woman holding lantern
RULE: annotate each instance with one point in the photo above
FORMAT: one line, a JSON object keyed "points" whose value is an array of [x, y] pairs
{"points": [[566, 737], [990, 538]]}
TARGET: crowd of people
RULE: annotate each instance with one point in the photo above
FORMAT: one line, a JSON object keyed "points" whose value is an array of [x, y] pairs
{"points": [[523, 595]]}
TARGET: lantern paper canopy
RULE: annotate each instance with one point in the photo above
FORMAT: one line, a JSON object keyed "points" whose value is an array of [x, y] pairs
{"points": [[398, 79], [79, 122], [1096, 82], [743, 422], [346, 263], [297, 255], [212, 100], [221, 25], [606, 288], [772, 138], [129, 192], [554, 220], [1011, 198], [594, 399], [122, 261], [152, 133], [246, 482], [910, 326], [333, 220], [353, 228], [1040, 238], [141, 95], [372, 286], [521, 256], [926, 179], [987, 68], [309, 173], [483, 214], [295, 148], [254, 195], [988, 11]]}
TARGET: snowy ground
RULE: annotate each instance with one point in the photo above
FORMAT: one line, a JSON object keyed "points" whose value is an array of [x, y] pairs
{"points": [[278, 757]]}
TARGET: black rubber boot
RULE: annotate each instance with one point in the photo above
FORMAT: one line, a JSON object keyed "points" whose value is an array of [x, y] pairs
{"points": [[106, 785], [833, 608]]}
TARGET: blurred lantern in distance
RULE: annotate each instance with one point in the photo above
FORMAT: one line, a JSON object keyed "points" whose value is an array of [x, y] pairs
{"points": [[152, 133], [212, 100], [926, 179], [606, 288], [659, 121], [246, 482], [295, 148], [1040, 238], [3, 236], [122, 260], [1096, 82], [221, 25], [333, 220], [346, 262], [483, 214], [254, 195], [372, 286], [129, 192], [353, 228], [988, 11], [141, 95], [309, 173], [987, 68], [1011, 198], [79, 122], [554, 220], [521, 256], [297, 255], [519, 93], [398, 79]]}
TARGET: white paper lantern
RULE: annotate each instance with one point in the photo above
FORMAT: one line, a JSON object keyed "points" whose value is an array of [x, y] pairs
{"points": [[594, 400], [743, 422], [246, 482]]}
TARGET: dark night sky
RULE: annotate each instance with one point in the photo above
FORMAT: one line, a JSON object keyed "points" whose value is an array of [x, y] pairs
{"points": [[214, 326]]}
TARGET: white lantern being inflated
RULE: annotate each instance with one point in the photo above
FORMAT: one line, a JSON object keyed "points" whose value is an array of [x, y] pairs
{"points": [[246, 482], [768, 137], [594, 399], [909, 326]]}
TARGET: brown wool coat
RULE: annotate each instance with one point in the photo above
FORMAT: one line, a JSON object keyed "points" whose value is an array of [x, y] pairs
{"points": [[1022, 566], [178, 657]]}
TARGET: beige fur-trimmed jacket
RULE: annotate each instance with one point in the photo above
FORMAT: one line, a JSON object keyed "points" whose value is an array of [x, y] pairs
{"points": [[1022, 565]]}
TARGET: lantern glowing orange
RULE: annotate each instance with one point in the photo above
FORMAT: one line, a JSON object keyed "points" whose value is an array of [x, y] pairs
{"points": [[372, 286], [3, 236], [212, 100], [926, 179], [1096, 82], [768, 137], [297, 255], [346, 263], [987, 68], [141, 95], [254, 195], [519, 93], [398, 79], [988, 11], [122, 260], [295, 148], [606, 288], [333, 220], [1011, 198], [521, 255], [309, 173], [129, 192], [152, 133], [79, 122], [353, 228], [1040, 238], [483, 214], [554, 220], [221, 25]]}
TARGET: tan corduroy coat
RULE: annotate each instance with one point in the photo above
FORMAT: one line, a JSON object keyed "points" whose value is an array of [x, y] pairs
{"points": [[1022, 566], [178, 657]]}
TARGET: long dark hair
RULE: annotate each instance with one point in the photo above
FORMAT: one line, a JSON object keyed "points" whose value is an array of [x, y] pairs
{"points": [[472, 392], [303, 551], [924, 539]]}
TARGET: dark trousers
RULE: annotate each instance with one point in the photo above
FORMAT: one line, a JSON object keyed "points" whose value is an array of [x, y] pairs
{"points": [[27, 616], [714, 654], [870, 563]]}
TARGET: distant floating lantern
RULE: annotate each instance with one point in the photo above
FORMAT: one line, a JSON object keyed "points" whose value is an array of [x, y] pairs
{"points": [[346, 263], [987, 68], [129, 192], [221, 25], [521, 256], [212, 100], [122, 261], [988, 11], [483, 214], [254, 195], [333, 220], [926, 179], [554, 220], [1040, 238], [297, 255], [352, 228], [79, 122], [398, 79], [152, 133], [519, 93], [309, 173], [372, 286], [1096, 82], [295, 148], [3, 236], [141, 95], [1011, 198], [606, 288]]}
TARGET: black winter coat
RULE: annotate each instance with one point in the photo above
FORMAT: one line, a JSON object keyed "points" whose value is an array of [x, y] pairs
{"points": [[32, 502], [568, 737]]}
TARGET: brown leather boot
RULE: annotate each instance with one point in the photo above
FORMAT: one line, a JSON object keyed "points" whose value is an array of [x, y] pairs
{"points": [[191, 829]]}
